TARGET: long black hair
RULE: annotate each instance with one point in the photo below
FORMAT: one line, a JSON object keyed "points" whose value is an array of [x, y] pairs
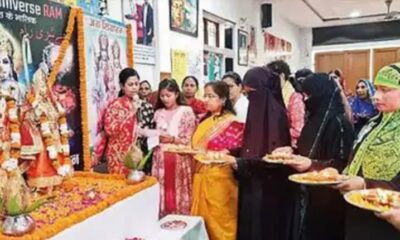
{"points": [[194, 79], [222, 90], [171, 86], [123, 77]]}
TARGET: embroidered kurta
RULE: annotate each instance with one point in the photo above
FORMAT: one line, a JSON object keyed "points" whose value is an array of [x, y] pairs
{"points": [[287, 91], [296, 116], [119, 124], [215, 192], [174, 171]]}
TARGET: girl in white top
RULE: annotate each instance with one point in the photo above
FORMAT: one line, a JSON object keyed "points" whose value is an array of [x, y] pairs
{"points": [[240, 102]]}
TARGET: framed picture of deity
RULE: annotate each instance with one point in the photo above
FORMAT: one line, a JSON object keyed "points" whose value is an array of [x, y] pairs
{"points": [[184, 16], [243, 50]]}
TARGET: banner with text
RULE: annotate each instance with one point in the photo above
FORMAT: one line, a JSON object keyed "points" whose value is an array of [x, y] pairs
{"points": [[106, 45], [31, 32]]}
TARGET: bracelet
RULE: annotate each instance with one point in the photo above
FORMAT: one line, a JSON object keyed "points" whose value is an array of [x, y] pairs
{"points": [[173, 140]]}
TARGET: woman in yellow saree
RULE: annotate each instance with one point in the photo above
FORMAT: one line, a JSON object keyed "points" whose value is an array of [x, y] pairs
{"points": [[215, 193]]}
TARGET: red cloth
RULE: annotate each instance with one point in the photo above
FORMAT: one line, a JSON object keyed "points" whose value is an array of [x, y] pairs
{"points": [[42, 167], [296, 113], [119, 125], [139, 21], [26, 137], [152, 99], [198, 106], [230, 138], [169, 184]]}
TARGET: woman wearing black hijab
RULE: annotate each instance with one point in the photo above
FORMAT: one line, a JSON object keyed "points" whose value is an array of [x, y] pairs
{"points": [[327, 136], [267, 200]]}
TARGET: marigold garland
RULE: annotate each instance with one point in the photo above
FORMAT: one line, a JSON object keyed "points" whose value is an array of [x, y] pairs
{"points": [[87, 162], [14, 129], [63, 47], [86, 179], [130, 46]]}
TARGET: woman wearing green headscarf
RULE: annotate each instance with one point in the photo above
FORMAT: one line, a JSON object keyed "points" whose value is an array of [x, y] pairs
{"points": [[376, 158]]}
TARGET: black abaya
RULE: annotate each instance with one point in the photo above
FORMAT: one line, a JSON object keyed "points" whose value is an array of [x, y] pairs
{"points": [[326, 137], [268, 206]]}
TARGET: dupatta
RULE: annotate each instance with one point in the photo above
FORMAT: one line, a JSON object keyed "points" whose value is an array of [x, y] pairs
{"points": [[211, 128]]}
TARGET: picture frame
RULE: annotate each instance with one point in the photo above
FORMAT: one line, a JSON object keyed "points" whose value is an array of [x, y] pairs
{"points": [[184, 16], [243, 48], [211, 33]]}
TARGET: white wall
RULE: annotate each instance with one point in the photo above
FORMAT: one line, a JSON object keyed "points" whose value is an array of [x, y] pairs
{"points": [[231, 10], [286, 30], [306, 51]]}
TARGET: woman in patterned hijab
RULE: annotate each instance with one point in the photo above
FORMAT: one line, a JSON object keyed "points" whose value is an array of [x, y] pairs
{"points": [[376, 158]]}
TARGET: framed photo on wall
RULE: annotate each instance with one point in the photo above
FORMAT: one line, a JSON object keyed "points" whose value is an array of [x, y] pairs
{"points": [[211, 33], [243, 50], [184, 16], [213, 66]]}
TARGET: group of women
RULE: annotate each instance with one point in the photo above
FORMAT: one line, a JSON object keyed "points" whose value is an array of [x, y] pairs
{"points": [[249, 198]]}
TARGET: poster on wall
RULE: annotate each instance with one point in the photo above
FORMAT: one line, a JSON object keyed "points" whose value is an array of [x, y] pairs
{"points": [[243, 53], [184, 16], [185, 63], [106, 46], [212, 66], [275, 44], [276, 48], [179, 65], [90, 6], [252, 46], [140, 14], [30, 36], [195, 65]]}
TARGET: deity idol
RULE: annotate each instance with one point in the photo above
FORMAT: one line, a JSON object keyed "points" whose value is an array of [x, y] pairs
{"points": [[12, 184], [44, 135]]}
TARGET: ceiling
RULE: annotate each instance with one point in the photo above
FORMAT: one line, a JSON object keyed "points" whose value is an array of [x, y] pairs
{"points": [[300, 11]]}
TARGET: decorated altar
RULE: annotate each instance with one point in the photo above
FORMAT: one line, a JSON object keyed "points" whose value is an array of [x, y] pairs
{"points": [[84, 197]]}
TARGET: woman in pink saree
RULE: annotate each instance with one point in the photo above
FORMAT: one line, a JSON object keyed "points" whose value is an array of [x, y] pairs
{"points": [[175, 124]]}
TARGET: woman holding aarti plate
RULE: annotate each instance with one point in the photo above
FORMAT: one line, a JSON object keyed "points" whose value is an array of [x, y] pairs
{"points": [[375, 161], [175, 124], [326, 137], [215, 193], [268, 206]]}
